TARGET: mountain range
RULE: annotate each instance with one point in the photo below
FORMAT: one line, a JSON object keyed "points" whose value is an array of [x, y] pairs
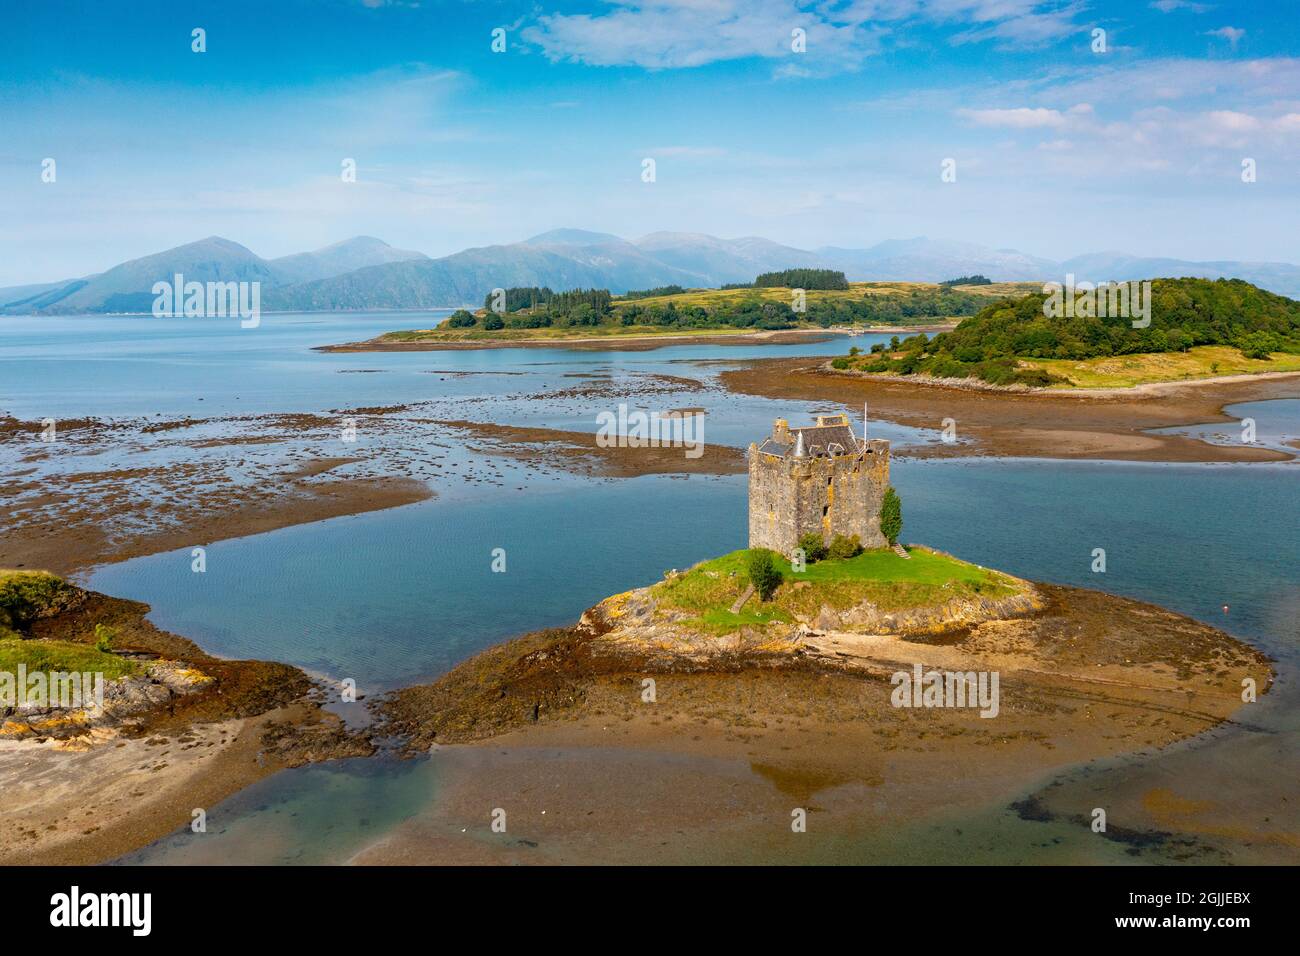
{"points": [[367, 273]]}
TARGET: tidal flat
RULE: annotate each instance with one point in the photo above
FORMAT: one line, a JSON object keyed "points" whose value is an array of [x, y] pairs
{"points": [[336, 598]]}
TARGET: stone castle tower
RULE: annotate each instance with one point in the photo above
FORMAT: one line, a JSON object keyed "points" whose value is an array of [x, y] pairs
{"points": [[821, 479]]}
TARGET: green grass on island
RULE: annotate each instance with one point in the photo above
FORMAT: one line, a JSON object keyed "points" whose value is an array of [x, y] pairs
{"points": [[68, 656], [1194, 328], [880, 577], [540, 313], [1125, 371], [28, 595]]}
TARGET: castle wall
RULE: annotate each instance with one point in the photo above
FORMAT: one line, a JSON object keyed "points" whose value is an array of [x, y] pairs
{"points": [[790, 497], [772, 503]]}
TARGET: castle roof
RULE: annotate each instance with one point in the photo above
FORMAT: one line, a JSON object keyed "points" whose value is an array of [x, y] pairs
{"points": [[819, 441]]}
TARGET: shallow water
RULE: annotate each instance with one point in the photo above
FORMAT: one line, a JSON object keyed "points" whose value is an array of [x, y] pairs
{"points": [[398, 596]]}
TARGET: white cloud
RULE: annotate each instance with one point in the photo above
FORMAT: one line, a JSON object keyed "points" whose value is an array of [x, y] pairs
{"points": [[1232, 34], [1169, 6], [1013, 23], [668, 34], [673, 34], [1024, 117], [1168, 80]]}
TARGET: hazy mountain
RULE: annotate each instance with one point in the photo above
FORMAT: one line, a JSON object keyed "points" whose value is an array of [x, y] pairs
{"points": [[467, 277], [337, 259], [20, 294], [934, 260], [571, 237], [1280, 277], [126, 287], [366, 273], [724, 260]]}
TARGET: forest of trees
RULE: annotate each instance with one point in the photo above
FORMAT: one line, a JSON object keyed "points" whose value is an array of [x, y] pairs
{"points": [[803, 279], [1184, 313], [535, 308], [651, 293], [976, 279]]}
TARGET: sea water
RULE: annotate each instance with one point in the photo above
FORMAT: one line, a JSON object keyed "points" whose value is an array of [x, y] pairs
{"points": [[392, 597]]}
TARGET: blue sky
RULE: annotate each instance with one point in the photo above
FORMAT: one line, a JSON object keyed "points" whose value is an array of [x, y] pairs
{"points": [[1059, 150]]}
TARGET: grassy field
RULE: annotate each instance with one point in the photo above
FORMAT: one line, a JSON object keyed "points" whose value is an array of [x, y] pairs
{"points": [[62, 656], [706, 298], [713, 297], [558, 334], [1125, 371], [709, 589]]}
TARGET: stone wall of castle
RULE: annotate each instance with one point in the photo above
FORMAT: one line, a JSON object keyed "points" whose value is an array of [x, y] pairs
{"points": [[790, 497]]}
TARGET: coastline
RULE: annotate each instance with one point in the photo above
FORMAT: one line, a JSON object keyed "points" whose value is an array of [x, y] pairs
{"points": [[217, 757], [1141, 390], [637, 342], [87, 795], [1043, 424], [594, 773]]}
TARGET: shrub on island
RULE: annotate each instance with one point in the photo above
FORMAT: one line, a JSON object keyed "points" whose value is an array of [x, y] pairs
{"points": [[812, 546], [891, 516], [763, 573], [842, 547]]}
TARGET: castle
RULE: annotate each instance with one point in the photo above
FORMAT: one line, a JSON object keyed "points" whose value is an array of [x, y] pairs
{"points": [[821, 479]]}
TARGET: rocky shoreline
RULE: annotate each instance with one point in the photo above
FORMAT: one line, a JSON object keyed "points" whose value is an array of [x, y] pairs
{"points": [[217, 724], [609, 746], [1066, 656], [638, 342], [1054, 633], [1046, 423]]}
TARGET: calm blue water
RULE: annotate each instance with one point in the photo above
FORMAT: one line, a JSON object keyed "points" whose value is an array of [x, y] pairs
{"points": [[399, 596], [1276, 425], [132, 366], [394, 597]]}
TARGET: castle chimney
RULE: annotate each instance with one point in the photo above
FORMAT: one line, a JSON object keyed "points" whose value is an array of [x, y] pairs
{"points": [[781, 431]]}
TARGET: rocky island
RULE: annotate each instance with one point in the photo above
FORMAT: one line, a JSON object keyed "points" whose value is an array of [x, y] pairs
{"points": [[854, 679]]}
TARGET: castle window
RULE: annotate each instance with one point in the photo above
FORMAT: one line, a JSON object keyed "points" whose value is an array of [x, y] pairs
{"points": [[828, 481], [826, 509]]}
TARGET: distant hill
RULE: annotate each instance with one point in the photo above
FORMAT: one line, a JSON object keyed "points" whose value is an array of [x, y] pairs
{"points": [[1185, 313], [718, 261], [366, 273], [126, 287], [934, 260], [465, 278], [1282, 278], [342, 257]]}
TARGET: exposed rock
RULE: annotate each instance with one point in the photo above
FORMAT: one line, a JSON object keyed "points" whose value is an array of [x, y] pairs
{"points": [[126, 697], [828, 620]]}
